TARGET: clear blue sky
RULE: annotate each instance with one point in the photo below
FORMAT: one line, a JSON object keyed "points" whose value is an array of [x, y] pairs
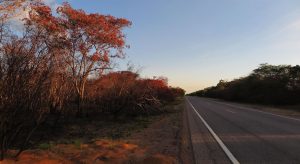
{"points": [[195, 43]]}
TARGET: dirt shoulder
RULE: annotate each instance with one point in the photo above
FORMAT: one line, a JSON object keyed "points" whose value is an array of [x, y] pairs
{"points": [[167, 140], [158, 139], [185, 147]]}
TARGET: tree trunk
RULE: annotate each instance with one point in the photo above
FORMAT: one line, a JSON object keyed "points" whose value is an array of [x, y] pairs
{"points": [[80, 100], [79, 107]]}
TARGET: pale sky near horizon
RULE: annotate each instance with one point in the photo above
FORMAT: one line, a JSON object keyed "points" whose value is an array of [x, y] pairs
{"points": [[195, 43]]}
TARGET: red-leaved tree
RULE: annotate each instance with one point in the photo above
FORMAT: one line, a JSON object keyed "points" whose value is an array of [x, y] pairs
{"points": [[89, 41], [93, 39]]}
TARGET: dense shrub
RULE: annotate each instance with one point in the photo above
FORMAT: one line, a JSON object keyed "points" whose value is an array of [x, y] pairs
{"points": [[25, 72], [267, 84], [126, 93], [46, 71]]}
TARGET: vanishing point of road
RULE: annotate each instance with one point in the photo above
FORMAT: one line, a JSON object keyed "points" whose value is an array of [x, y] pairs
{"points": [[224, 132]]}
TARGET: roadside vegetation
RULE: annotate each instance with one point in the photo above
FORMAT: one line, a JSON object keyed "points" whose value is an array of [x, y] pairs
{"points": [[268, 84], [56, 74]]}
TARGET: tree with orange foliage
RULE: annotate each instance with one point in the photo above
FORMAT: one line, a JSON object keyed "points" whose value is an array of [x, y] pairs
{"points": [[14, 8], [90, 41], [38, 65], [26, 67], [8, 7]]}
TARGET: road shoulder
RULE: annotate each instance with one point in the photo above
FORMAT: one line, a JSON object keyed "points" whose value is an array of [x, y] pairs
{"points": [[186, 148], [205, 147]]}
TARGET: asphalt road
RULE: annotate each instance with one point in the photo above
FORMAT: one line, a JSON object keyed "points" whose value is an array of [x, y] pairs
{"points": [[247, 135]]}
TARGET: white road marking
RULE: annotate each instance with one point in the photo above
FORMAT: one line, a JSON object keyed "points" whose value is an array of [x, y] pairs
{"points": [[219, 141], [230, 111]]}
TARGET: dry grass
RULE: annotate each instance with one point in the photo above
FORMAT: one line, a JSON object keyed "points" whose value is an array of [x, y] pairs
{"points": [[153, 139]]}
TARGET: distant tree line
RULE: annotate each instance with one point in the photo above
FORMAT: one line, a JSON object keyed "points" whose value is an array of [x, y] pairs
{"points": [[60, 67], [268, 84]]}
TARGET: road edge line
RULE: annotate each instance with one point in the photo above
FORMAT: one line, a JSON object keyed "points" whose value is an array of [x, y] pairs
{"points": [[219, 141]]}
